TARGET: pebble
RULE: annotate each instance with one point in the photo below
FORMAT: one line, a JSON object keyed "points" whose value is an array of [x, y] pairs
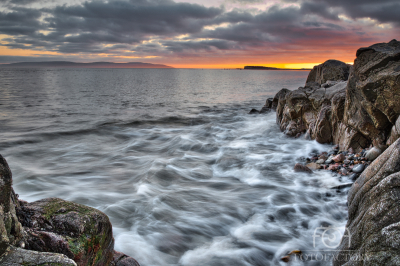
{"points": [[354, 176], [320, 161], [372, 154], [344, 171], [339, 158], [314, 166], [358, 168]]}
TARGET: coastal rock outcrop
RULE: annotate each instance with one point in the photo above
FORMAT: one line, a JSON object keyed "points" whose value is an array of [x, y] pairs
{"points": [[374, 214], [53, 231], [354, 114], [330, 70]]}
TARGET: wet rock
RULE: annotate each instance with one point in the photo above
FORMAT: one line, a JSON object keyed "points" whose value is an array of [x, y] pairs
{"points": [[120, 259], [313, 166], [374, 214], [354, 176], [302, 168], [358, 168], [320, 161], [373, 153], [339, 158], [254, 111], [285, 259], [81, 233]]}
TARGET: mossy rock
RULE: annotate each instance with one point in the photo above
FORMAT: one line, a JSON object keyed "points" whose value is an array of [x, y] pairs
{"points": [[81, 233]]}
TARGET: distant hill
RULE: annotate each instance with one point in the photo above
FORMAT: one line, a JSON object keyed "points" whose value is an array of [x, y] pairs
{"points": [[67, 64], [271, 68]]}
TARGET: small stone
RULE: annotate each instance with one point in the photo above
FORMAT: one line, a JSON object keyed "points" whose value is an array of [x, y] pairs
{"points": [[313, 166], [295, 252], [339, 158], [332, 167], [285, 259], [320, 161], [373, 153], [346, 161], [358, 168], [351, 151], [344, 171], [350, 157], [302, 168], [323, 156], [354, 176]]}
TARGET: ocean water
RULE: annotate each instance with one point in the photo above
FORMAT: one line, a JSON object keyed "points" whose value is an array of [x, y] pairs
{"points": [[172, 156]]}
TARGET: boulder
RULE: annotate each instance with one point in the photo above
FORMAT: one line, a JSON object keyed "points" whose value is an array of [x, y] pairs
{"points": [[330, 70], [81, 233], [374, 214]]}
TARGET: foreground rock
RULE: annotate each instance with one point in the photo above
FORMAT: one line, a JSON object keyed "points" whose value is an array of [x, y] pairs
{"points": [[53, 231], [374, 214], [354, 114], [81, 233]]}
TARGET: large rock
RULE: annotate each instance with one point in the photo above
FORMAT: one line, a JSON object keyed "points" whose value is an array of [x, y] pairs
{"points": [[373, 92], [81, 233], [330, 70], [374, 214], [313, 110]]}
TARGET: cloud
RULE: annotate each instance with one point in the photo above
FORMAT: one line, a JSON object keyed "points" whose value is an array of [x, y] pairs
{"points": [[166, 28]]}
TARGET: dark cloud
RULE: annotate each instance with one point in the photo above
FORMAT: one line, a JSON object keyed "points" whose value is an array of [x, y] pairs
{"points": [[123, 27], [20, 21], [385, 11]]}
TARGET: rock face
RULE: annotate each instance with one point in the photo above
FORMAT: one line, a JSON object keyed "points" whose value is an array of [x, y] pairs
{"points": [[374, 214], [329, 71], [53, 231], [373, 92], [353, 113]]}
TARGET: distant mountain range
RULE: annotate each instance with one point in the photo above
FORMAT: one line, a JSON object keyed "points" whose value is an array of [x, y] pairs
{"points": [[67, 64], [271, 68]]}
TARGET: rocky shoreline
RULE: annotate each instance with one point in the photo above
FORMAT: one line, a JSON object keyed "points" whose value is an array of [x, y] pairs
{"points": [[357, 109]]}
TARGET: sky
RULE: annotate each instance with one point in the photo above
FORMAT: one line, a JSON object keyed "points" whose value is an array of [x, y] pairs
{"points": [[195, 33]]}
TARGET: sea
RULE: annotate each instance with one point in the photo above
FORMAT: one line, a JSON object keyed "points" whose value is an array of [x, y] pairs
{"points": [[185, 174]]}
